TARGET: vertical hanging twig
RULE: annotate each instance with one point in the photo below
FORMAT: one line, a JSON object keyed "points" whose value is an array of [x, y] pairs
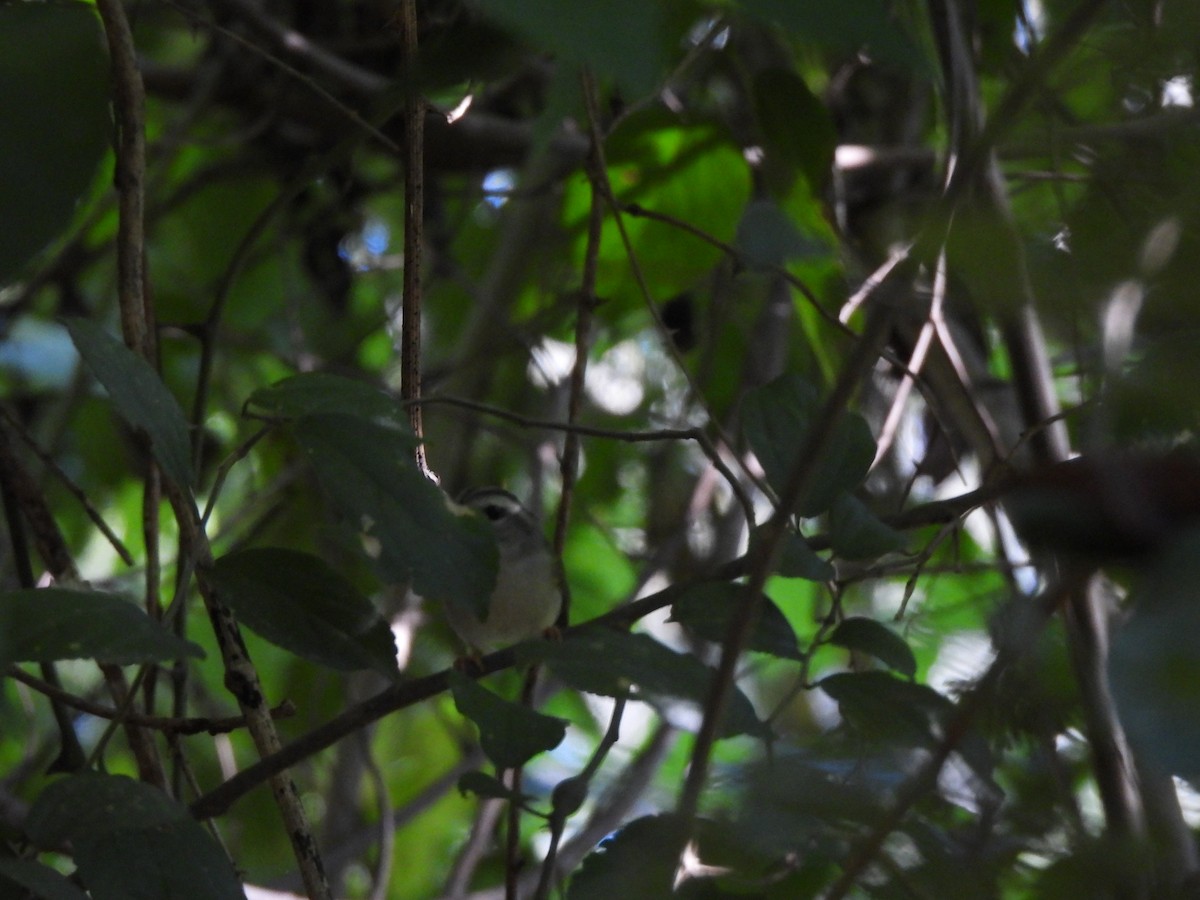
{"points": [[583, 336], [414, 214], [130, 177], [137, 324], [130, 174], [884, 303], [241, 677]]}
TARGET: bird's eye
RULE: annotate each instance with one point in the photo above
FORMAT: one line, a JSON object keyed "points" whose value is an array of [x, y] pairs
{"points": [[495, 512]]}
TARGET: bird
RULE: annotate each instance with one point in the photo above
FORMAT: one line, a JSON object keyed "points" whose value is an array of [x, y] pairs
{"points": [[528, 596]]}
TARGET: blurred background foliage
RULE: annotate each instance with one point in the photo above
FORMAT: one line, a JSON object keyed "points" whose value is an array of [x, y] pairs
{"points": [[927, 706]]}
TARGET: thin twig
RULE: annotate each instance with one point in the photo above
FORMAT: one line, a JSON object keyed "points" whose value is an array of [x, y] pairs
{"points": [[762, 553], [734, 253], [570, 793], [238, 454], [130, 174], [71, 756], [72, 488], [242, 680], [171, 724], [591, 103], [387, 825], [710, 450], [409, 693], [310, 52], [414, 216], [584, 306], [865, 851]]}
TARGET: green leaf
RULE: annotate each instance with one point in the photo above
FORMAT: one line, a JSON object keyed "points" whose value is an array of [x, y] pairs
{"points": [[447, 553], [798, 560], [298, 602], [139, 396], [849, 25], [54, 122], [708, 608], [985, 253], [56, 623], [610, 663], [638, 862], [130, 840], [618, 39], [313, 393], [796, 125], [19, 876], [777, 419], [1154, 665], [510, 734], [882, 707], [483, 785], [868, 636], [857, 533], [809, 795], [766, 237]]}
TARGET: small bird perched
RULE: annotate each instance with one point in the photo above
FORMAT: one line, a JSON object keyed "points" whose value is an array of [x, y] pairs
{"points": [[528, 593]]}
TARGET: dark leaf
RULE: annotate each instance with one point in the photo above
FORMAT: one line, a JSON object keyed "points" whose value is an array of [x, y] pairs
{"points": [[797, 560], [298, 602], [795, 123], [857, 533], [607, 662], [18, 876], [55, 623], [777, 419], [707, 609], [847, 26], [131, 841], [868, 636], [139, 396], [618, 39], [510, 734], [448, 554], [313, 393], [636, 863], [1155, 660], [54, 122], [483, 785], [880, 706], [766, 237], [807, 798]]}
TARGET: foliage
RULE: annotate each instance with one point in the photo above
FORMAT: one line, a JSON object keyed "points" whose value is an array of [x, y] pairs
{"points": [[852, 284]]}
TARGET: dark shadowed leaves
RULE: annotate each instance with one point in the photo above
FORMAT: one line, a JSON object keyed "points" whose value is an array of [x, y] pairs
{"points": [[882, 707], [366, 467], [139, 396], [298, 602], [766, 236], [636, 863], [1155, 660], [483, 785], [128, 836], [707, 609], [618, 39], [18, 876], [795, 124], [603, 661], [868, 636], [510, 734], [55, 623], [797, 560], [54, 122], [312, 393], [857, 533], [778, 420]]}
